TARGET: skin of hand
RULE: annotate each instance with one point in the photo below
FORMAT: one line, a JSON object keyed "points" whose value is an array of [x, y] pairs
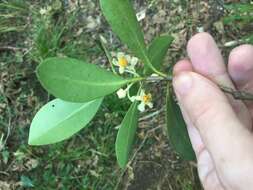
{"points": [[220, 127]]}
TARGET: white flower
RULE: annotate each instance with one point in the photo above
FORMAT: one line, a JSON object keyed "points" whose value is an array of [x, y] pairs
{"points": [[154, 75], [146, 100], [43, 11], [125, 62], [122, 93]]}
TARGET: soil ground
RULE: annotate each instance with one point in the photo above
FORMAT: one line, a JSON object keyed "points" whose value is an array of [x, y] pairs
{"points": [[87, 161]]}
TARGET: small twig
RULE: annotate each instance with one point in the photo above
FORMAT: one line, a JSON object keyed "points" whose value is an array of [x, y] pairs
{"points": [[108, 55], [10, 48], [135, 154], [7, 125], [147, 161], [152, 114], [142, 143], [238, 95], [158, 78], [232, 43], [4, 173]]}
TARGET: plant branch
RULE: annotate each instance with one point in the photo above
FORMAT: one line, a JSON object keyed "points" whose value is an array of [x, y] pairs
{"points": [[10, 48], [238, 95], [147, 60]]}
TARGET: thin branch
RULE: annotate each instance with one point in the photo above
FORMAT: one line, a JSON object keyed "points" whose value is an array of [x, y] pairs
{"points": [[108, 55], [153, 114], [135, 154], [238, 95], [11, 48], [4, 173], [9, 128]]}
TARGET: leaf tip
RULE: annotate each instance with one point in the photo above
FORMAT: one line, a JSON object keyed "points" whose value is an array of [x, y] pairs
{"points": [[122, 164], [31, 141]]}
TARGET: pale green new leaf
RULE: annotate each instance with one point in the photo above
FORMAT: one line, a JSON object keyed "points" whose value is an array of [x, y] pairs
{"points": [[126, 134], [157, 52], [122, 18], [177, 130], [59, 120], [76, 81]]}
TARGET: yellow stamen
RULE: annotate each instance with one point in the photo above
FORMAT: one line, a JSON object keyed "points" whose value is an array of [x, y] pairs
{"points": [[147, 98], [123, 62]]}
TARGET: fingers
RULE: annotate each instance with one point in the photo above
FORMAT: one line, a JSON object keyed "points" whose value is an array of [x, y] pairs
{"points": [[183, 65], [206, 169], [221, 131], [240, 67], [201, 100], [207, 172], [207, 60], [196, 141]]}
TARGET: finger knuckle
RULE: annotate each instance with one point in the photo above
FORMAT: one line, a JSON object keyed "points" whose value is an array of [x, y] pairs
{"points": [[204, 112]]}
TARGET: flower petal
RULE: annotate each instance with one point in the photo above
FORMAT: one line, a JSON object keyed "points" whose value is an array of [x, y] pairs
{"points": [[128, 58], [141, 107], [121, 70], [43, 11], [134, 61], [150, 105], [115, 62], [120, 54], [113, 54], [121, 93], [142, 93]]}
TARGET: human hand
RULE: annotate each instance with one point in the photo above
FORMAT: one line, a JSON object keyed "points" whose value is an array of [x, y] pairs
{"points": [[220, 127]]}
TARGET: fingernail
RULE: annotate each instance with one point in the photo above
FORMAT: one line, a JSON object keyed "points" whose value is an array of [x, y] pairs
{"points": [[182, 83]]}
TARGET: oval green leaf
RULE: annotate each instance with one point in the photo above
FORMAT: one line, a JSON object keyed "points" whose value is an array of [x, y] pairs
{"points": [[122, 18], [157, 52], [76, 81], [176, 128], [59, 120], [126, 135]]}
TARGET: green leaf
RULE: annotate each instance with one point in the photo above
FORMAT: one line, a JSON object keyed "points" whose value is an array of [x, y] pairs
{"points": [[126, 134], [59, 120], [76, 81], [122, 18], [157, 52], [177, 130]]}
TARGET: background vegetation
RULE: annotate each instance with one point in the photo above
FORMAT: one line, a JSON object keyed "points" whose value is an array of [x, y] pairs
{"points": [[31, 30]]}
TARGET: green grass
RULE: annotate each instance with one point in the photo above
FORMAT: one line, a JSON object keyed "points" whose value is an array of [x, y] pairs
{"points": [[60, 28], [81, 162], [239, 17], [13, 16], [84, 161], [87, 160]]}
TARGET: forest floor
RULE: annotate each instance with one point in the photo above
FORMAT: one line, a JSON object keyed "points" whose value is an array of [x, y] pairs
{"points": [[32, 30]]}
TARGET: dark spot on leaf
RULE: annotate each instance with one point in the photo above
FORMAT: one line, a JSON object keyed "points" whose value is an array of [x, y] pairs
{"points": [[53, 105]]}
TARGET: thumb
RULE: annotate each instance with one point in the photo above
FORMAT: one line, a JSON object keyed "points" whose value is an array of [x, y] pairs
{"points": [[226, 139]]}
